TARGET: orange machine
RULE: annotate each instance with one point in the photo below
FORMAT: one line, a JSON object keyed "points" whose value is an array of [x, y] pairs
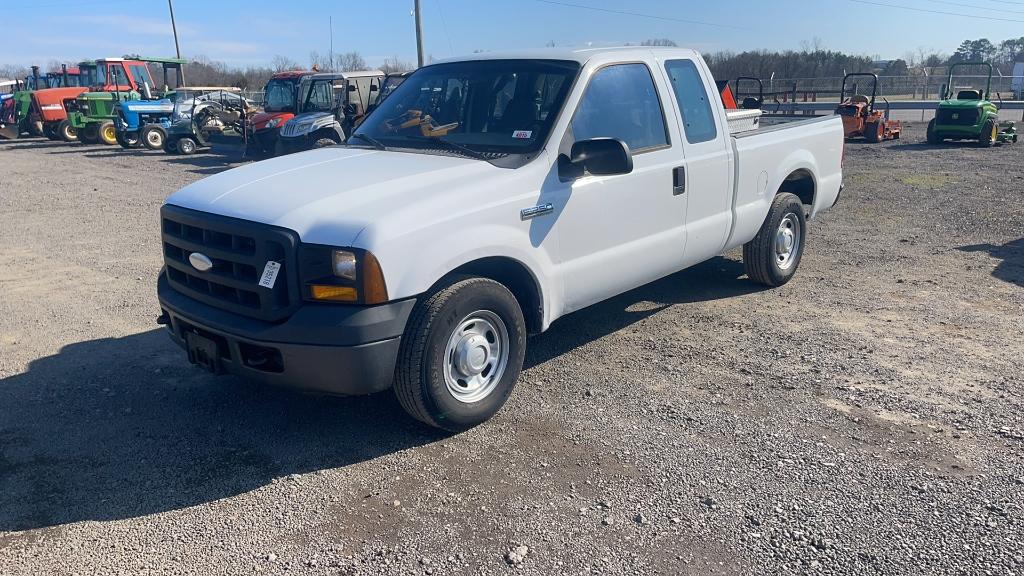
{"points": [[860, 118]]}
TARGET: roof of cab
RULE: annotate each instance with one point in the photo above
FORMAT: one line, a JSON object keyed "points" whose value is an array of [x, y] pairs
{"points": [[581, 55]]}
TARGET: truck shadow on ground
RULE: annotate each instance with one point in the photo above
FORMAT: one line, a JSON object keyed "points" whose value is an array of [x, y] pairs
{"points": [[924, 146], [119, 428], [1011, 269]]}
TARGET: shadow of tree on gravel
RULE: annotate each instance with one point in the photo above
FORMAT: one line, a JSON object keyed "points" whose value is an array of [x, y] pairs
{"points": [[1011, 269], [715, 279], [123, 427]]}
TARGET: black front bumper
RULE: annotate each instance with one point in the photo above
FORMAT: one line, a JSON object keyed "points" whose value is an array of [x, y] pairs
{"points": [[333, 349]]}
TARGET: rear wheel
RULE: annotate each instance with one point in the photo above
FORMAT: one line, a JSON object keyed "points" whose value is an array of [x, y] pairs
{"points": [[128, 139], [50, 131], [186, 146], [773, 256], [933, 135], [989, 134], [171, 145], [66, 131], [89, 134], [461, 354], [107, 133], [153, 137], [874, 132]]}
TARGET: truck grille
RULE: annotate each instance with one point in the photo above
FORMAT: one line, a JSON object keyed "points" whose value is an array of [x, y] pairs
{"points": [[239, 251], [968, 117]]}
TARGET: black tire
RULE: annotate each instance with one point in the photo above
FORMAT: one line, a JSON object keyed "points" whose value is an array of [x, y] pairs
{"points": [[90, 134], [988, 137], [66, 131], [933, 136], [874, 132], [186, 146], [761, 257], [153, 137], [324, 142], [127, 140], [171, 145], [420, 381], [50, 131]]}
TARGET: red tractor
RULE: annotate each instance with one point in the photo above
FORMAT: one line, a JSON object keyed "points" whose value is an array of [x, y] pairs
{"points": [[861, 118], [279, 106]]}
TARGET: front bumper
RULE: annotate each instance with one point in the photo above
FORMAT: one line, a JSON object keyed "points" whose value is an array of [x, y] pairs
{"points": [[331, 349]]}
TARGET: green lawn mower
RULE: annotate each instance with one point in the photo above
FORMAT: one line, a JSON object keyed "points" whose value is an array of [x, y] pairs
{"points": [[968, 114]]}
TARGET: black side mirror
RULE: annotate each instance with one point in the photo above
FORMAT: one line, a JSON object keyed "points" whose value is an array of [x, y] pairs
{"points": [[351, 87], [598, 157]]}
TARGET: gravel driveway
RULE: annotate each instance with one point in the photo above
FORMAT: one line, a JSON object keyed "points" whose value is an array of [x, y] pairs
{"points": [[864, 419]]}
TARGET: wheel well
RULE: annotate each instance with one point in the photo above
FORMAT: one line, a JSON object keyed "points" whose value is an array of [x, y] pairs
{"points": [[800, 183], [326, 133], [518, 279]]}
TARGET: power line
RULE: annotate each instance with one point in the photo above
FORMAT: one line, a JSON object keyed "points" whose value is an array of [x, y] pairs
{"points": [[962, 5], [444, 26], [640, 14], [941, 12]]}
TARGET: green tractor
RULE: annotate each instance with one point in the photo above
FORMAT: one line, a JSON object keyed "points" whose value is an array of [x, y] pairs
{"points": [[91, 115], [968, 114]]}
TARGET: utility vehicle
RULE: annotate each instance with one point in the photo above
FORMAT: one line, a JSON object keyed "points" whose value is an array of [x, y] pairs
{"points": [[330, 105], [861, 119], [969, 113], [91, 115], [485, 198], [201, 113], [279, 106]]}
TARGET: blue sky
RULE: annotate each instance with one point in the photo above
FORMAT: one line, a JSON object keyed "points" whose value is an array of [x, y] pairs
{"points": [[253, 31]]}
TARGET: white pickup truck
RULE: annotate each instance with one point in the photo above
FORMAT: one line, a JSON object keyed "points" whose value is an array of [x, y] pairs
{"points": [[484, 199]]}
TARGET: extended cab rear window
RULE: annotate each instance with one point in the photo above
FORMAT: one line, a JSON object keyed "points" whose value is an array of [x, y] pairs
{"points": [[694, 103], [622, 102]]}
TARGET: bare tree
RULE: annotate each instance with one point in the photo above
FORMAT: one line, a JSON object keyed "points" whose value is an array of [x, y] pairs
{"points": [[393, 65], [659, 42], [282, 63], [349, 61]]}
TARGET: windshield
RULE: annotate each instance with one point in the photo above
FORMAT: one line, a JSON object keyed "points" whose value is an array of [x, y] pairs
{"points": [[140, 74], [319, 95], [87, 76], [495, 106], [279, 96]]}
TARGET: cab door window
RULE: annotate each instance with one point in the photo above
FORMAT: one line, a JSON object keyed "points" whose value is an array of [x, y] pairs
{"points": [[622, 102]]}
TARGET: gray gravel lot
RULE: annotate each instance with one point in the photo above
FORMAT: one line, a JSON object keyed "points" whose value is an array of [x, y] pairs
{"points": [[864, 419]]}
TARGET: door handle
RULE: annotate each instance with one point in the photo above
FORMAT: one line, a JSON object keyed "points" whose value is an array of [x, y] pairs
{"points": [[679, 181]]}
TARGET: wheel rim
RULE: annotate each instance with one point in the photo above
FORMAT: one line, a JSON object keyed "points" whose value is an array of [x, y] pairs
{"points": [[109, 134], [476, 356], [995, 132], [154, 139], [787, 241]]}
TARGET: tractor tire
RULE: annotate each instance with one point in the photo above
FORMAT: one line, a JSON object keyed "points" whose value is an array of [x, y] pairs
{"points": [[127, 140], [50, 131], [171, 145], [107, 133], [153, 137], [187, 146], [89, 134], [324, 142], [874, 132], [933, 136], [67, 132], [989, 134]]}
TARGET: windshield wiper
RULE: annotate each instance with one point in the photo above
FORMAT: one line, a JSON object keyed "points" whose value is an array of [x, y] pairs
{"points": [[454, 145], [373, 141]]}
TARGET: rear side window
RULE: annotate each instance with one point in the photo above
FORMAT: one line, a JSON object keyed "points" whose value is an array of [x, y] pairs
{"points": [[694, 103], [621, 102]]}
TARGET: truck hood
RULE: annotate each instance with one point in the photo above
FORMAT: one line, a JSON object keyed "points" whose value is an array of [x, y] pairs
{"points": [[329, 195]]}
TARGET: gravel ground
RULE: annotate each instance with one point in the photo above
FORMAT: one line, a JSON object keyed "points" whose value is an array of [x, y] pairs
{"points": [[864, 419]]}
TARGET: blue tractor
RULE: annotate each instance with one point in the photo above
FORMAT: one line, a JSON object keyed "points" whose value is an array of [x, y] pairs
{"points": [[144, 122]]}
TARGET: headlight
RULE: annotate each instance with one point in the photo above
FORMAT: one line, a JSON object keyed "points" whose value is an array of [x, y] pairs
{"points": [[342, 275], [344, 264], [273, 123]]}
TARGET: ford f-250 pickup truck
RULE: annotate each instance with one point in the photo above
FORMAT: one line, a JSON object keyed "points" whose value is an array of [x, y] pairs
{"points": [[484, 199]]}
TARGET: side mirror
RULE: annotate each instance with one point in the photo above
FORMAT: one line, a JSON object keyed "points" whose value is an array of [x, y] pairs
{"points": [[351, 87], [373, 88], [598, 157]]}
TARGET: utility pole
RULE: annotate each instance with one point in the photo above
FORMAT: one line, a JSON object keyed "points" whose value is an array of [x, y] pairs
{"points": [[330, 21], [419, 34], [177, 48]]}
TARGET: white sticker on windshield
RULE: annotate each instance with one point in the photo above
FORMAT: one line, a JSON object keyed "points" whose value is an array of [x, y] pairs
{"points": [[270, 274], [523, 134]]}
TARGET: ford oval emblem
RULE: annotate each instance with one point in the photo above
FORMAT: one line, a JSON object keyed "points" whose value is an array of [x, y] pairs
{"points": [[200, 262]]}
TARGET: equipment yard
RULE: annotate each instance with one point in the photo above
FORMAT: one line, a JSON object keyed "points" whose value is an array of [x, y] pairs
{"points": [[866, 418]]}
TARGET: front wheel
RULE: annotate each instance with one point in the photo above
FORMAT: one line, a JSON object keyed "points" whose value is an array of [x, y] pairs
{"points": [[67, 132], [989, 134], [461, 354], [933, 135], [153, 137], [323, 143], [187, 146], [773, 256], [874, 132], [107, 133]]}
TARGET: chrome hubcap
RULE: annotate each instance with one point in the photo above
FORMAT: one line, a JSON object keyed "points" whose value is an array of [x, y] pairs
{"points": [[787, 241], [476, 356]]}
